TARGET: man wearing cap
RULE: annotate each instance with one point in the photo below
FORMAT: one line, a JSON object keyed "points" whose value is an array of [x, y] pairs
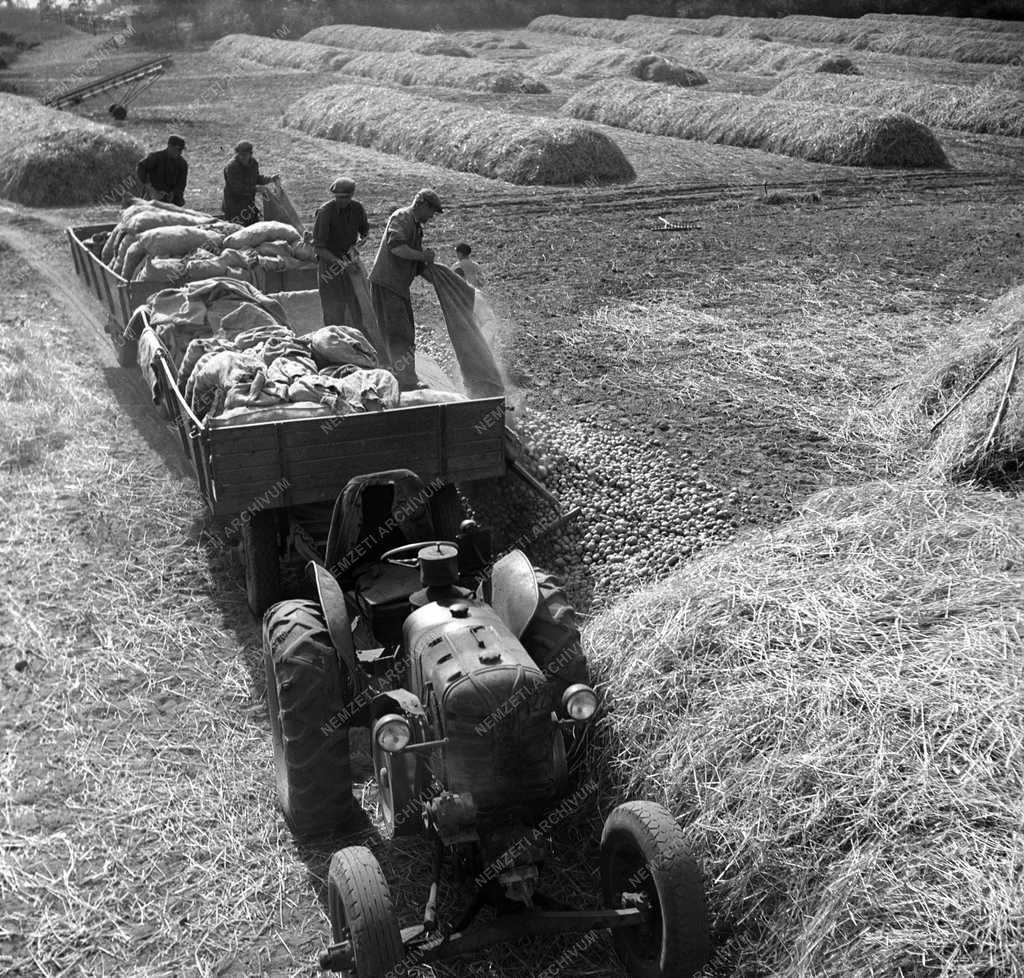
{"points": [[164, 173], [339, 226], [400, 258], [241, 178]]}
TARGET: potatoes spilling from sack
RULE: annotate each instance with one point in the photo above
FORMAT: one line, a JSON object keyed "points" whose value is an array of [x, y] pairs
{"points": [[157, 242]]}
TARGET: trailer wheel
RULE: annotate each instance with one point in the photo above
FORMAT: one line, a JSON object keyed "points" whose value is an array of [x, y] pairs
{"points": [[307, 700], [361, 912], [261, 561], [127, 349], [446, 512], [119, 112], [644, 853]]}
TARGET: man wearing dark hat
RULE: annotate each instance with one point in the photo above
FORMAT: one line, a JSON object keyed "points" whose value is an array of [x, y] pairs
{"points": [[164, 173], [339, 226], [400, 258], [241, 178]]}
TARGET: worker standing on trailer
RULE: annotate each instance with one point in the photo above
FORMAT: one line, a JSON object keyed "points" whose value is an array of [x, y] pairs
{"points": [[400, 258], [241, 179], [164, 173], [339, 226]]}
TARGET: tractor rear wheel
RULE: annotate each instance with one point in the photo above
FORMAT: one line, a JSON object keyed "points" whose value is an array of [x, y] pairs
{"points": [[361, 912], [644, 854], [260, 560], [553, 636], [308, 701]]}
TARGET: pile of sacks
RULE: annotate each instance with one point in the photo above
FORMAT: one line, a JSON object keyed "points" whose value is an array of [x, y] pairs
{"points": [[158, 242], [238, 360]]}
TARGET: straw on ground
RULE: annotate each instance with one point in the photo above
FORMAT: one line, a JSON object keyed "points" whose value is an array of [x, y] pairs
{"points": [[835, 710]]}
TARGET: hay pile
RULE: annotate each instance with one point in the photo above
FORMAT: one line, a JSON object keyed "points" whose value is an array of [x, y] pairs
{"points": [[635, 34], [939, 23], [488, 41], [280, 54], [962, 409], [50, 158], [837, 64], [955, 42], [971, 108], [360, 38], [1011, 78], [516, 148], [407, 68], [820, 134], [836, 709], [714, 53], [574, 62]]}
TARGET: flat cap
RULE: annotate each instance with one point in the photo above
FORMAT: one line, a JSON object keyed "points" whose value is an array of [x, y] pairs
{"points": [[343, 185], [428, 196], [243, 147], [176, 141]]}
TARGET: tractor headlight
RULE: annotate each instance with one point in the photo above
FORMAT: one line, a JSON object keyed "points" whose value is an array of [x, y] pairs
{"points": [[579, 702], [392, 732]]}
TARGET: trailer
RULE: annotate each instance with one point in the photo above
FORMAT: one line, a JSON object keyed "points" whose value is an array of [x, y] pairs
{"points": [[275, 483], [121, 298]]}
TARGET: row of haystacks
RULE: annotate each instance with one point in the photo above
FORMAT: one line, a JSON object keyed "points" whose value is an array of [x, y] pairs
{"points": [[966, 107], [49, 157], [275, 53], [357, 37], [952, 42], [582, 62], [960, 412], [1009, 77], [409, 68], [705, 53], [939, 23], [806, 130], [504, 146], [834, 708]]}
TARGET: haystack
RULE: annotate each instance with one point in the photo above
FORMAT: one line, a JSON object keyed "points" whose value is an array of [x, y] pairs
{"points": [[715, 53], [837, 64], [517, 148], [834, 709], [408, 68], [932, 22], [42, 148], [962, 407], [971, 108], [575, 62], [821, 134], [357, 37], [276, 53]]}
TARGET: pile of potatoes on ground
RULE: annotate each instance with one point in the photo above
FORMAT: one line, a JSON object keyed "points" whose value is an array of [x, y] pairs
{"points": [[642, 510]]}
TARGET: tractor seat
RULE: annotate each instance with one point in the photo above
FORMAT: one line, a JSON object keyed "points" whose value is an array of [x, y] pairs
{"points": [[382, 594]]}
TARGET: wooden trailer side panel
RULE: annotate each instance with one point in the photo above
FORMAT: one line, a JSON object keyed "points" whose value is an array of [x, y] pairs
{"points": [[288, 463]]}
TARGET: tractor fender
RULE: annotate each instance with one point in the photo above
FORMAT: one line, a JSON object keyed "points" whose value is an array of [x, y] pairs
{"points": [[332, 602], [515, 595], [397, 701]]}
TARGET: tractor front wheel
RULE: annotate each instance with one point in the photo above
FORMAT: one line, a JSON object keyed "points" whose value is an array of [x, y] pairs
{"points": [[361, 912], [646, 862]]}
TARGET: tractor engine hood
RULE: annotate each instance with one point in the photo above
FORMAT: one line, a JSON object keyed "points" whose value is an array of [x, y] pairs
{"points": [[487, 696]]}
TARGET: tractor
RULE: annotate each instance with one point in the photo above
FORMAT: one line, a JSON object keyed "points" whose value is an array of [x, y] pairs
{"points": [[469, 675]]}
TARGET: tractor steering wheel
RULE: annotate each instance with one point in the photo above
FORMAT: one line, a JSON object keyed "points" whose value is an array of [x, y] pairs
{"points": [[393, 556]]}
